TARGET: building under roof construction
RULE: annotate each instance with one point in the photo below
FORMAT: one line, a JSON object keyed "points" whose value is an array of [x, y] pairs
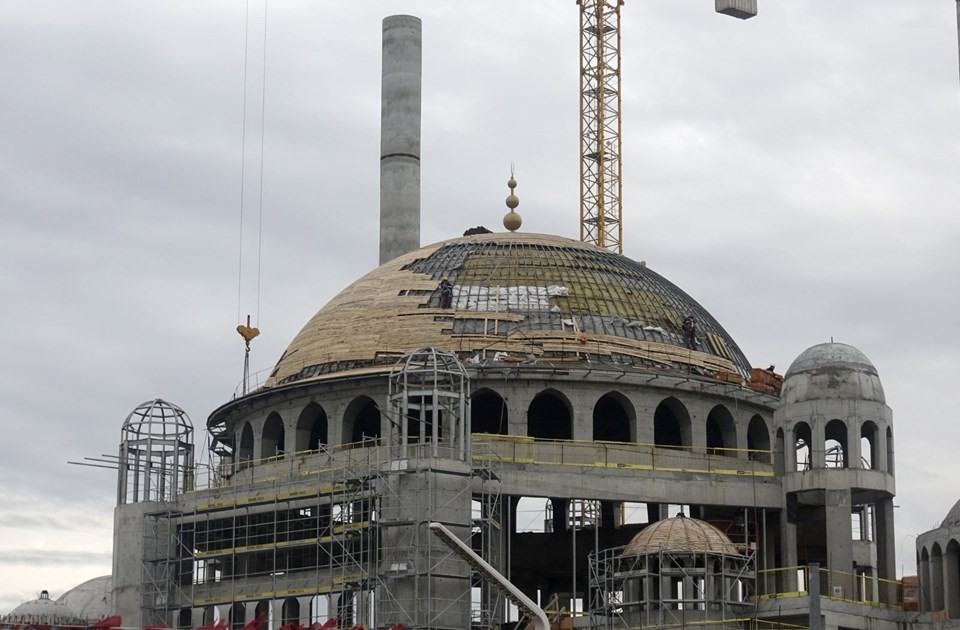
{"points": [[461, 382]]}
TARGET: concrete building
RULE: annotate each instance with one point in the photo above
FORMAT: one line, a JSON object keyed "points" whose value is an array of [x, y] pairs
{"points": [[568, 377], [938, 566], [462, 381]]}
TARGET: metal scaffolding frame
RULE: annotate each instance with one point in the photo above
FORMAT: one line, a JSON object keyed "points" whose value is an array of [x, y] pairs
{"points": [[341, 524], [668, 587]]}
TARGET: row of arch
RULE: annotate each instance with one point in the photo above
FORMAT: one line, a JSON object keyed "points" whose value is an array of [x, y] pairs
{"points": [[837, 448], [939, 577], [296, 610], [549, 416]]}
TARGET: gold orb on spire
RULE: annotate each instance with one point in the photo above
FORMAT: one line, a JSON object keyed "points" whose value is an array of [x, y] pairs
{"points": [[512, 220]]}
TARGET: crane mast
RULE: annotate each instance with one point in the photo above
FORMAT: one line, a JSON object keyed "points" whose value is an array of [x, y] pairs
{"points": [[600, 183], [601, 187]]}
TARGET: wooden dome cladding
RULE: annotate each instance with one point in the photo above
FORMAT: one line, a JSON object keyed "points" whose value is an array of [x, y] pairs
{"points": [[680, 535], [516, 297]]}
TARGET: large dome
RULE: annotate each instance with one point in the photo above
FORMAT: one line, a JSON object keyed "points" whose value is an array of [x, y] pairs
{"points": [[953, 516], [91, 599], [680, 535], [832, 370], [516, 297], [45, 611]]}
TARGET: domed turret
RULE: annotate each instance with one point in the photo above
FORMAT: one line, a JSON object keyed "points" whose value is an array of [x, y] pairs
{"points": [[831, 371]]}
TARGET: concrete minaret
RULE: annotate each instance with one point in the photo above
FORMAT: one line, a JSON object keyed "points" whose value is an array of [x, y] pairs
{"points": [[400, 137]]}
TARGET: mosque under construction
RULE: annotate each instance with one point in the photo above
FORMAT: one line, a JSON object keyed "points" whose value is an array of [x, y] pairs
{"points": [[462, 381]]}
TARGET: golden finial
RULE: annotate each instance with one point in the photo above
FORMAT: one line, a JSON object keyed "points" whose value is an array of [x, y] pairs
{"points": [[512, 220]]}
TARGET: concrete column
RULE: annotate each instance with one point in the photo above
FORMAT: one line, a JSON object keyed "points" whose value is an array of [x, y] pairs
{"points": [[837, 510], [400, 137], [789, 450], [815, 622], [582, 420], [818, 449], [951, 582], [853, 443], [518, 404], [923, 576], [276, 614], [788, 552], [335, 423], [936, 580], [645, 406], [304, 603], [881, 449], [885, 541]]}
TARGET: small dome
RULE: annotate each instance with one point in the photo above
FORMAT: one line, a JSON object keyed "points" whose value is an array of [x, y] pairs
{"points": [[953, 516], [832, 370], [45, 611], [680, 534], [91, 599]]}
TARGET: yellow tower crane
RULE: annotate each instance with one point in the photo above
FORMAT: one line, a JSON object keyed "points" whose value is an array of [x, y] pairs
{"points": [[601, 187]]}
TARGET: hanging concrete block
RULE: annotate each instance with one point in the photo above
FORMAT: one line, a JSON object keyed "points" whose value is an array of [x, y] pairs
{"points": [[742, 9]]}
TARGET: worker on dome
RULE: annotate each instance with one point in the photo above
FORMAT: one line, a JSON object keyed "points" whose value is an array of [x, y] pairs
{"points": [[690, 332], [446, 293]]}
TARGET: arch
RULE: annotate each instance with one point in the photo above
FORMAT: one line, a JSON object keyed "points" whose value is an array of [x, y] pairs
{"points": [[936, 577], [951, 578], [671, 424], [238, 613], [549, 416], [835, 449], [290, 611], [210, 615], [245, 452], [721, 432], [924, 578], [868, 444], [361, 420], [185, 618], [890, 450], [758, 439], [312, 428], [802, 440], [272, 438], [263, 608], [488, 413], [613, 418]]}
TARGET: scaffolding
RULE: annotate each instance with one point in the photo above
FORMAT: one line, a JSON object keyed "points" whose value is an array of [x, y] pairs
{"points": [[666, 587], [340, 533]]}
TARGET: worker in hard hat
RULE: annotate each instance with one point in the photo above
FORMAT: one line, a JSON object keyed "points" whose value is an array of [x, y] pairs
{"points": [[446, 293]]}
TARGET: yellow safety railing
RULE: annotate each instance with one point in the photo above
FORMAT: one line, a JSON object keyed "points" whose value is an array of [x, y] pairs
{"points": [[502, 448], [860, 588], [787, 582], [627, 455]]}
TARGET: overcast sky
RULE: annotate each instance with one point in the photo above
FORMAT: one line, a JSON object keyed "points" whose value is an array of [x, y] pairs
{"points": [[795, 173]]}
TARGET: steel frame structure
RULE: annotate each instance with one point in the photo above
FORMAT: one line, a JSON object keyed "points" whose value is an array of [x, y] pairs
{"points": [[600, 156]]}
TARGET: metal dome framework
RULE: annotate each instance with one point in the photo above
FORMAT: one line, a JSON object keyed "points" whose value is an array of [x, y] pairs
{"points": [[156, 453], [674, 572], [429, 394]]}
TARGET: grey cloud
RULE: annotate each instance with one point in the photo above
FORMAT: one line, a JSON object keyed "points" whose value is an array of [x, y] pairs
{"points": [[795, 174]]}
